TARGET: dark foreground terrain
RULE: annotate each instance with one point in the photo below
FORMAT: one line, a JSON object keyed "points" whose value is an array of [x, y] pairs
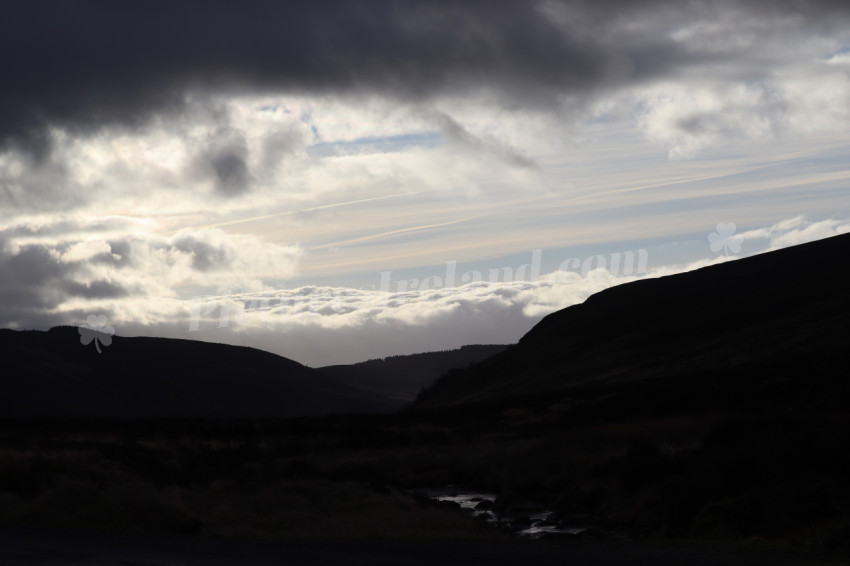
{"points": [[25, 548], [769, 485], [696, 419]]}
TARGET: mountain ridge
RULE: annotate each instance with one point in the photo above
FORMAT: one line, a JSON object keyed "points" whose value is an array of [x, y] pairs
{"points": [[51, 374], [716, 318], [402, 377]]}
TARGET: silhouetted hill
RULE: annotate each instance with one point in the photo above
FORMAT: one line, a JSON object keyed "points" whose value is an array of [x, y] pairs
{"points": [[775, 325], [51, 374], [401, 378]]}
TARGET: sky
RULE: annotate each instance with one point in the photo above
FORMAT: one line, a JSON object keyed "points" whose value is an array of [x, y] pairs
{"points": [[343, 180]]}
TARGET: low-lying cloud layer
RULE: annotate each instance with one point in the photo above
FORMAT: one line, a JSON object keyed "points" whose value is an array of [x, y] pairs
{"points": [[312, 324]]}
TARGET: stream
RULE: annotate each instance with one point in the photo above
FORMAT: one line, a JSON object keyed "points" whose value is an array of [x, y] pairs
{"points": [[526, 520]]}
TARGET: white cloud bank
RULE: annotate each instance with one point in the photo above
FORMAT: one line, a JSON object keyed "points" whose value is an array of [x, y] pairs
{"points": [[312, 324]]}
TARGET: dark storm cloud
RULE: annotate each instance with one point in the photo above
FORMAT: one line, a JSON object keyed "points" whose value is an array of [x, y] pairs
{"points": [[94, 290], [82, 65], [119, 256], [456, 133], [32, 266], [225, 161], [28, 280], [34, 280], [205, 255]]}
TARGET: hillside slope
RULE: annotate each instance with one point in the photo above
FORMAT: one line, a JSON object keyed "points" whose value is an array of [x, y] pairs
{"points": [[51, 374], [774, 320], [401, 378]]}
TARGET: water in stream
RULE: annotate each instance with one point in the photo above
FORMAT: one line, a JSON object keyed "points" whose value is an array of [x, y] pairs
{"points": [[529, 520]]}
